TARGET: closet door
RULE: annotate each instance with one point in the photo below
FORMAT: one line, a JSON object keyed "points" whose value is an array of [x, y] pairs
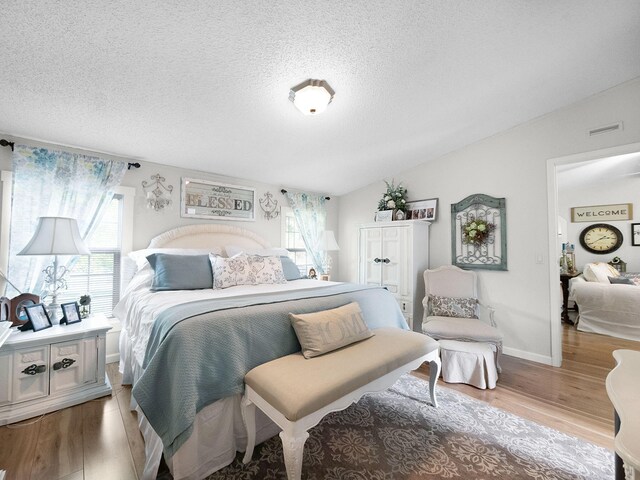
{"points": [[370, 268]]}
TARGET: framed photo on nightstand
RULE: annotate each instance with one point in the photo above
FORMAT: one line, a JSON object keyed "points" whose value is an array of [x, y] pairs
{"points": [[70, 313], [38, 317]]}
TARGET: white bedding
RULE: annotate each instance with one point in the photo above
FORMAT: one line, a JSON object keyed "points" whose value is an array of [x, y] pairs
{"points": [[218, 430]]}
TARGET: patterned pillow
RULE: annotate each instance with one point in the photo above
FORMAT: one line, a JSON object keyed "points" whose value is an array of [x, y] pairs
{"points": [[453, 307], [245, 269]]}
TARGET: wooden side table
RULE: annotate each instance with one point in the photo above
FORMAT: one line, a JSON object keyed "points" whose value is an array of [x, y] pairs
{"points": [[564, 282], [54, 368]]}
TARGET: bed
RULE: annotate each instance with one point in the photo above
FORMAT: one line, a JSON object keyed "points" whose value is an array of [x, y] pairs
{"points": [[605, 307], [185, 352]]}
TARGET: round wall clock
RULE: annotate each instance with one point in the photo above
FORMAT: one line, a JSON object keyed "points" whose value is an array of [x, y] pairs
{"points": [[601, 238]]}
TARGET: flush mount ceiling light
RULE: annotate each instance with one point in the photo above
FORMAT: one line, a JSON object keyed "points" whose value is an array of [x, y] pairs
{"points": [[311, 97]]}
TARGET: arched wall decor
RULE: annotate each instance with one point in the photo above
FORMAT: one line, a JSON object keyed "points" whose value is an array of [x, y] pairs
{"points": [[490, 253]]}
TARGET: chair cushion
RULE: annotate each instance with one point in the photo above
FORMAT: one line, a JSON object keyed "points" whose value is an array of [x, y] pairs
{"points": [[453, 306], [452, 328], [296, 386]]}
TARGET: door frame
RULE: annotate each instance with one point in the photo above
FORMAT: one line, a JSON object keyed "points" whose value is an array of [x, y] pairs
{"points": [[554, 248]]}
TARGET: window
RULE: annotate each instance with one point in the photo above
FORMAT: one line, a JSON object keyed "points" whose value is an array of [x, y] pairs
{"points": [[98, 274], [292, 241]]}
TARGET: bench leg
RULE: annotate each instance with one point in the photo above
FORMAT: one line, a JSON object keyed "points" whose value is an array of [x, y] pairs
{"points": [[249, 417], [293, 447], [434, 373]]}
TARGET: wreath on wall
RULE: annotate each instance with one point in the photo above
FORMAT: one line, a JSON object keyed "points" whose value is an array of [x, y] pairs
{"points": [[477, 231]]}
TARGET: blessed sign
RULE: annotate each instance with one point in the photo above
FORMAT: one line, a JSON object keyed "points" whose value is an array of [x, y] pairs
{"points": [[204, 199], [596, 213]]}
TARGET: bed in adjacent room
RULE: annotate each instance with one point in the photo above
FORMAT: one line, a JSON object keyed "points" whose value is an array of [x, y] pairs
{"points": [[185, 348]]}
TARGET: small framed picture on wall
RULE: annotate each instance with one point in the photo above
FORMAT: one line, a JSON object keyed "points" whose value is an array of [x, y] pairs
{"points": [[635, 234]]}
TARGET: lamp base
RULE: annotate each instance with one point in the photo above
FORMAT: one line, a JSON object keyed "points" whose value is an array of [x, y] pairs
{"points": [[53, 309]]}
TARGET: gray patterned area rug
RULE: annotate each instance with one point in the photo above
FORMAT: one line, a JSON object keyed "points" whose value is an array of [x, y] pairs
{"points": [[396, 434]]}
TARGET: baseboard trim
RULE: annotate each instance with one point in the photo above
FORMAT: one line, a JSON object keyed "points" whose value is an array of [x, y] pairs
{"points": [[534, 357], [113, 358]]}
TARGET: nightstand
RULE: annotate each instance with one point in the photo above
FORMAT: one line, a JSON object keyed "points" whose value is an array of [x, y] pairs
{"points": [[55, 368], [564, 282]]}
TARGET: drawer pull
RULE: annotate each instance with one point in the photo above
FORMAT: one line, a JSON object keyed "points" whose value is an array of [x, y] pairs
{"points": [[34, 369], [377, 260], [386, 260], [65, 363]]}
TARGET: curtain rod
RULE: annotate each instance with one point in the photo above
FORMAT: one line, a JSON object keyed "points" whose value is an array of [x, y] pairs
{"points": [[6, 143], [283, 191]]}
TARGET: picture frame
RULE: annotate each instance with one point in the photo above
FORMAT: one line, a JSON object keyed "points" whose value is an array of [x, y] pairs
{"points": [[426, 209], [216, 200], [635, 234], [38, 317], [384, 216], [70, 313]]}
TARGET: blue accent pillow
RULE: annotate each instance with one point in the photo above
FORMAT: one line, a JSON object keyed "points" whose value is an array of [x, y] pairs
{"points": [[180, 272], [620, 280], [290, 269]]}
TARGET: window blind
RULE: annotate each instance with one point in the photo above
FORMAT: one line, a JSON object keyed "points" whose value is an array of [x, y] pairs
{"points": [[98, 275]]}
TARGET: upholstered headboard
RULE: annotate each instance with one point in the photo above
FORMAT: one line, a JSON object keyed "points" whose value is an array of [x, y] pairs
{"points": [[208, 236], [200, 236]]}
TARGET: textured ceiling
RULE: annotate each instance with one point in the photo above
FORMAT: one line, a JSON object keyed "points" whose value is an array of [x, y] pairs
{"points": [[205, 84]]}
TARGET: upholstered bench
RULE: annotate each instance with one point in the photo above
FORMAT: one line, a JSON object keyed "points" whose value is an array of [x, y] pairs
{"points": [[468, 362], [296, 393]]}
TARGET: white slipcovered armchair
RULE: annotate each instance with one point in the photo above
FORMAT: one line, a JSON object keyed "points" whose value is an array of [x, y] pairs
{"points": [[452, 309]]}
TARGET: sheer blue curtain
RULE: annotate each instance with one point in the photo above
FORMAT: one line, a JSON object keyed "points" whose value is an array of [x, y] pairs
{"points": [[55, 183], [311, 216]]}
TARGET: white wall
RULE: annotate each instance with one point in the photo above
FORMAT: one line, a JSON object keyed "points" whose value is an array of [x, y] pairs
{"points": [[149, 223], [512, 165], [608, 189]]}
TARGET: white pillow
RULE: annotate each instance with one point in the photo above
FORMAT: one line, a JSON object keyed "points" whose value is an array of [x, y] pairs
{"points": [[263, 252], [245, 269], [140, 256], [599, 272]]}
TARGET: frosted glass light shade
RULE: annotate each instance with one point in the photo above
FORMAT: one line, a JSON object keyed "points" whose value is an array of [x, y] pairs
{"points": [[312, 97], [56, 236], [327, 241]]}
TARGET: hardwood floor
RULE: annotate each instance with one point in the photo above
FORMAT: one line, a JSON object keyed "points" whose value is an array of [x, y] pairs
{"points": [[96, 440], [100, 439]]}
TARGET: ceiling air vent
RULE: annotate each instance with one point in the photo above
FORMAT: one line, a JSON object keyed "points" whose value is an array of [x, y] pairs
{"points": [[606, 129]]}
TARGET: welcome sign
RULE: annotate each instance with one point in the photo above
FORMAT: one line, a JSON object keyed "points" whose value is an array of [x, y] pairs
{"points": [[221, 201], [596, 213]]}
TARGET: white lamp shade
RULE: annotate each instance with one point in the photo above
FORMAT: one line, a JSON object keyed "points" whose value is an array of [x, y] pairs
{"points": [[327, 241], [56, 236], [312, 96]]}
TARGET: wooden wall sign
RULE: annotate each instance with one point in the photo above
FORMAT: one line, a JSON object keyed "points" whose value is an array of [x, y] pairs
{"points": [[598, 213]]}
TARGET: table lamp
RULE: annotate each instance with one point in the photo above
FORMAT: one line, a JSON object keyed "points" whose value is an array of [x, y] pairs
{"points": [[327, 243], [56, 236]]}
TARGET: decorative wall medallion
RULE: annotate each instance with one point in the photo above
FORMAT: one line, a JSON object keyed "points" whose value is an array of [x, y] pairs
{"points": [[479, 233], [158, 194], [269, 206]]}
